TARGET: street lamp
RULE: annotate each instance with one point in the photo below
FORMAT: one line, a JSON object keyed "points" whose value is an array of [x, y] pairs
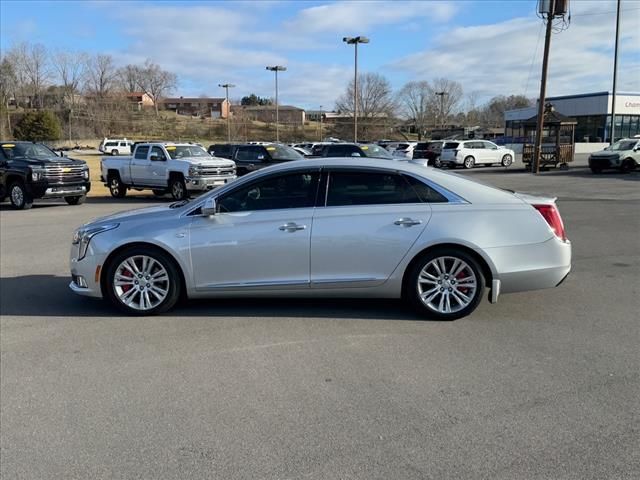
{"points": [[227, 86], [441, 95], [320, 123], [355, 41], [276, 69]]}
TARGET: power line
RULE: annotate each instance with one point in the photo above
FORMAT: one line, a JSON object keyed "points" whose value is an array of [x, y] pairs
{"points": [[533, 58]]}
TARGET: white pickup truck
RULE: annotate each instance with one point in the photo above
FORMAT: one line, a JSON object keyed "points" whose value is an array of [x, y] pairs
{"points": [[177, 168]]}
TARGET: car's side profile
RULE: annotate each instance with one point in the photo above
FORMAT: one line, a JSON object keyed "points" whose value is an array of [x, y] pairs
{"points": [[328, 228], [469, 153]]}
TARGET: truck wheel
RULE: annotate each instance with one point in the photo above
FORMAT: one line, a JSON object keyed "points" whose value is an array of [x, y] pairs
{"points": [[627, 165], [116, 187], [20, 198], [75, 200], [178, 188], [115, 152]]}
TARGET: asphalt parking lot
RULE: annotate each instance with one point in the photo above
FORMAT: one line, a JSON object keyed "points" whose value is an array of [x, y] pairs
{"points": [[541, 385]]}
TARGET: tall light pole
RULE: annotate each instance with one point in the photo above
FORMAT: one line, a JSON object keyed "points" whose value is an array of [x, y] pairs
{"points": [[441, 95], [615, 77], [276, 69], [320, 123], [226, 87], [355, 41]]}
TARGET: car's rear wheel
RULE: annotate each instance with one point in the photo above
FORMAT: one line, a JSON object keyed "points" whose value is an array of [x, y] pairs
{"points": [[507, 160], [142, 281], [75, 200], [445, 284], [178, 188], [20, 198], [116, 187], [469, 162], [115, 152], [437, 163]]}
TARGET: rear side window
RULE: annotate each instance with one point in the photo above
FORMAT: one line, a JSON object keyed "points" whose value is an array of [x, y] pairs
{"points": [[425, 192], [369, 188], [450, 145], [141, 152], [343, 151], [111, 144], [422, 146]]}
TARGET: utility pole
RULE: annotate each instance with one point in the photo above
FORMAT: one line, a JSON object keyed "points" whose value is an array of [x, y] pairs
{"points": [[320, 123], [441, 95], [226, 87], [276, 69], [615, 76], [355, 41]]}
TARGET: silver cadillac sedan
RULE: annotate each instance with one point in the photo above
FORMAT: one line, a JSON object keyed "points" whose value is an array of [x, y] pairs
{"points": [[333, 227]]}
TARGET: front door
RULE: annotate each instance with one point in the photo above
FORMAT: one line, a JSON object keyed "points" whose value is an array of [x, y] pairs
{"points": [[260, 239], [370, 221], [140, 166]]}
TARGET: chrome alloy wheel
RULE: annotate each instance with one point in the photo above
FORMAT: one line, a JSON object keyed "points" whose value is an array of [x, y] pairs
{"points": [[177, 190], [447, 285], [17, 196], [141, 282]]}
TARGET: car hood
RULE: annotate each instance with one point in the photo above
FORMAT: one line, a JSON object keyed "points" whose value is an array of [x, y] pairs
{"points": [[148, 213], [608, 154], [208, 162], [50, 162]]}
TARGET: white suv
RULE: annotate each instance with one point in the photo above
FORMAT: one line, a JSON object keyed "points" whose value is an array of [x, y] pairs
{"points": [[468, 153], [115, 146]]}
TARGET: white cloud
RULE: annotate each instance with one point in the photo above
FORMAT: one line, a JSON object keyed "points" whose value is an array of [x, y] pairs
{"points": [[496, 59]]}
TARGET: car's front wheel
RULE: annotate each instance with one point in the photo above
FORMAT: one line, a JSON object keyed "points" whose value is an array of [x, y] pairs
{"points": [[437, 163], [507, 160], [20, 198], [445, 284], [178, 188], [142, 281]]}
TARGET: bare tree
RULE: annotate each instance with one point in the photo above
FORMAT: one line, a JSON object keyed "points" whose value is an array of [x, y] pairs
{"points": [[493, 111], [473, 113], [70, 67], [32, 70], [156, 82], [129, 78], [448, 94], [375, 102], [8, 81], [416, 100], [101, 75]]}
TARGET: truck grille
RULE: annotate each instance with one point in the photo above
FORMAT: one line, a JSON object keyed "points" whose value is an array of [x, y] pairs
{"points": [[64, 174], [220, 171]]}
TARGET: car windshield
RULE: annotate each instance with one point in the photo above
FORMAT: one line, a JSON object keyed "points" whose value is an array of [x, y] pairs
{"points": [[283, 152], [186, 151], [622, 145], [28, 150], [375, 151]]}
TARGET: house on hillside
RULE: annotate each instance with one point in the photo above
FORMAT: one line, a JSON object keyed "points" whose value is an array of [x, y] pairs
{"points": [[206, 107], [139, 100]]}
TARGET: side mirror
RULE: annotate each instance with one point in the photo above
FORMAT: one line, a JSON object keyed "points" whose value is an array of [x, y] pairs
{"points": [[210, 207]]}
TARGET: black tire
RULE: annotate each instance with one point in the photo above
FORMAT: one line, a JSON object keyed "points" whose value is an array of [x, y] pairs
{"points": [[437, 163], [627, 166], [167, 262], [596, 170], [507, 160], [159, 193], [178, 188], [115, 152], [116, 187], [19, 197], [75, 200], [413, 294], [469, 162]]}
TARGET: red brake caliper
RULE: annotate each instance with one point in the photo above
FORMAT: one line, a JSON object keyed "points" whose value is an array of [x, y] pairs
{"points": [[126, 273], [459, 277]]}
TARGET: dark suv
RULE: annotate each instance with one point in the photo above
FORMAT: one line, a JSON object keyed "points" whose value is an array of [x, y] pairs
{"points": [[254, 157], [222, 150], [351, 150], [31, 170], [429, 151]]}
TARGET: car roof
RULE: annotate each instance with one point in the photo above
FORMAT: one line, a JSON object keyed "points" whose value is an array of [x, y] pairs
{"points": [[468, 189]]}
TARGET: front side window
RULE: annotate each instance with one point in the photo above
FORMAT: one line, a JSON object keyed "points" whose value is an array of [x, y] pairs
{"points": [[142, 152], [294, 190], [250, 154], [489, 145], [157, 151], [343, 151], [369, 188]]}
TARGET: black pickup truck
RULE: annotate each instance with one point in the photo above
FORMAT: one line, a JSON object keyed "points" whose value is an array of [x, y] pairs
{"points": [[31, 170]]}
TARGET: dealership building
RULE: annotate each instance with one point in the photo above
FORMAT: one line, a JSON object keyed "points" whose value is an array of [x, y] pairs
{"points": [[592, 111]]}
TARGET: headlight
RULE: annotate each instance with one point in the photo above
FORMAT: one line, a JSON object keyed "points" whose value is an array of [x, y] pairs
{"points": [[85, 174], [194, 171], [83, 236], [36, 175]]}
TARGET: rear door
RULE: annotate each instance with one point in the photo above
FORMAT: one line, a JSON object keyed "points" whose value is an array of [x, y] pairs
{"points": [[492, 153], [370, 220]]}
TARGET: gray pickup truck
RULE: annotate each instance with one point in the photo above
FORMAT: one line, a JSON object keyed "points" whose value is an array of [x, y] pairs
{"points": [[176, 168]]}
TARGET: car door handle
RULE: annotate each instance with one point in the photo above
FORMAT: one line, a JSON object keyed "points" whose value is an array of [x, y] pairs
{"points": [[291, 227], [407, 222]]}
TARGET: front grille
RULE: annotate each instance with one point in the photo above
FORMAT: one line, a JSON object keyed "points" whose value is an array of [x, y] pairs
{"points": [[601, 162], [216, 171], [64, 174]]}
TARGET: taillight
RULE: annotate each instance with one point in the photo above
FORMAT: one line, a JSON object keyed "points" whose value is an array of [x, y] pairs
{"points": [[551, 214], [455, 153]]}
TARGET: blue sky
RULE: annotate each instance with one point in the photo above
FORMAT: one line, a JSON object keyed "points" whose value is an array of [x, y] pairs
{"points": [[490, 47]]}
